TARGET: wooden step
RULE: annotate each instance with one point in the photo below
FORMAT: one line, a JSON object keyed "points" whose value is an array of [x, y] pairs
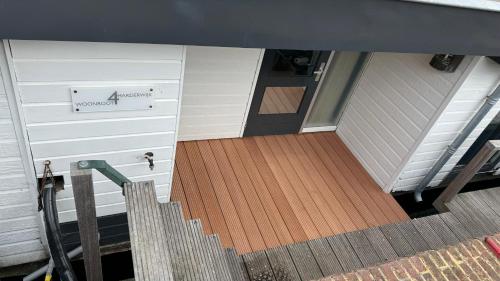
{"points": [[147, 233], [184, 264], [236, 265]]}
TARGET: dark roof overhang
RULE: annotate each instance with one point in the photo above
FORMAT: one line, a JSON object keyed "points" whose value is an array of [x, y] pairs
{"points": [[357, 25]]}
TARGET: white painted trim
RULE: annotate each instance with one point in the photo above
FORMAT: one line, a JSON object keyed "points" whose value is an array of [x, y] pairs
{"points": [[252, 92], [179, 103], [444, 104], [315, 96], [487, 5], [14, 100], [319, 129]]}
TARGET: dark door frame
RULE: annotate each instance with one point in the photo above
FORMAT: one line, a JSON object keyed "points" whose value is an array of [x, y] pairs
{"points": [[282, 123]]}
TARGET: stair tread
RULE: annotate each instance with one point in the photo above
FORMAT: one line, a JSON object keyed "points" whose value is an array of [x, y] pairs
{"points": [[147, 233], [282, 264], [236, 265]]}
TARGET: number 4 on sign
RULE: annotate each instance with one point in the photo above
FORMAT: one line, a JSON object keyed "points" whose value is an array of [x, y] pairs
{"points": [[114, 97]]}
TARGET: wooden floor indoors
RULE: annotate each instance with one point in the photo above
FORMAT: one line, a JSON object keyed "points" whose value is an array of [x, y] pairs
{"points": [[262, 192]]}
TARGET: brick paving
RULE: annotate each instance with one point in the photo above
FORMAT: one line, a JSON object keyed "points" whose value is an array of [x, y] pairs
{"points": [[470, 260]]}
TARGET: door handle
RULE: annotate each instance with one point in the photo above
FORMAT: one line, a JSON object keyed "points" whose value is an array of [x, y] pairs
{"points": [[318, 73]]}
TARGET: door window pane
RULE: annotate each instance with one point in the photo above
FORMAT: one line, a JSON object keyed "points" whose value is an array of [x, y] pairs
{"points": [[281, 100], [335, 89], [293, 62]]}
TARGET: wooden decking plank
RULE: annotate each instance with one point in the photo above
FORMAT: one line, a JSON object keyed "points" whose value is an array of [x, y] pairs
{"points": [[195, 203], [327, 175], [380, 244], [413, 236], [471, 224], [272, 211], [442, 230], [205, 250], [455, 226], [341, 179], [366, 179], [206, 272], [340, 210], [236, 266], [316, 184], [471, 200], [344, 252], [297, 184], [156, 219], [288, 214], [142, 205], [487, 196], [327, 261], [318, 197], [360, 178], [397, 240], [304, 261], [181, 270], [246, 217], [428, 233], [296, 204], [134, 225], [263, 222], [178, 193], [258, 266], [282, 264], [373, 204], [218, 255], [363, 248], [212, 207], [187, 241], [226, 203], [476, 213]]}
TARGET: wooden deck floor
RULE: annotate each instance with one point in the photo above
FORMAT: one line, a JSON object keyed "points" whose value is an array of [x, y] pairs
{"points": [[262, 192]]}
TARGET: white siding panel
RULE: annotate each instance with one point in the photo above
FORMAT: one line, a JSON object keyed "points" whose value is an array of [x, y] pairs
{"points": [[393, 105], [25, 49], [60, 91], [217, 89], [99, 70], [480, 82], [46, 71], [105, 127], [59, 112], [100, 144], [22, 258]]}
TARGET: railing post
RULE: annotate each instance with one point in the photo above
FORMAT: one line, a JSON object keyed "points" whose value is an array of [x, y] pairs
{"points": [[83, 192], [486, 152]]}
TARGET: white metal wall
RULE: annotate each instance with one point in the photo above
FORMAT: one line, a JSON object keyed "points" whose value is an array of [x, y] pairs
{"points": [[45, 71], [480, 82], [394, 104], [19, 225], [218, 87]]}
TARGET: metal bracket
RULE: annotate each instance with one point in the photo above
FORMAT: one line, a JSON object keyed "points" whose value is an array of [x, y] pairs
{"points": [[104, 168]]}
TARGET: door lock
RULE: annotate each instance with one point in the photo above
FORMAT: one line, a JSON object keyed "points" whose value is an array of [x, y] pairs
{"points": [[318, 73], [149, 157]]}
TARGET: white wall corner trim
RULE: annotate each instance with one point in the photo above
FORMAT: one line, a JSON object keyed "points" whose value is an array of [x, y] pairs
{"points": [[14, 103]]}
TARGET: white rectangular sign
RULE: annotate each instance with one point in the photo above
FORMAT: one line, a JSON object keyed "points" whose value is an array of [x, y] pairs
{"points": [[115, 98]]}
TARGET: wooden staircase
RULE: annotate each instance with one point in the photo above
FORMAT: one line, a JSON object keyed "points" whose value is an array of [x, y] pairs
{"points": [[166, 247]]}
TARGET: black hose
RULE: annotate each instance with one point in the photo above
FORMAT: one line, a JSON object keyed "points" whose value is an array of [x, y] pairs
{"points": [[61, 260]]}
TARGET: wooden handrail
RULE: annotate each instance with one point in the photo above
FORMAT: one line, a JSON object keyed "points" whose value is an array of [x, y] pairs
{"points": [[83, 191], [487, 151]]}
